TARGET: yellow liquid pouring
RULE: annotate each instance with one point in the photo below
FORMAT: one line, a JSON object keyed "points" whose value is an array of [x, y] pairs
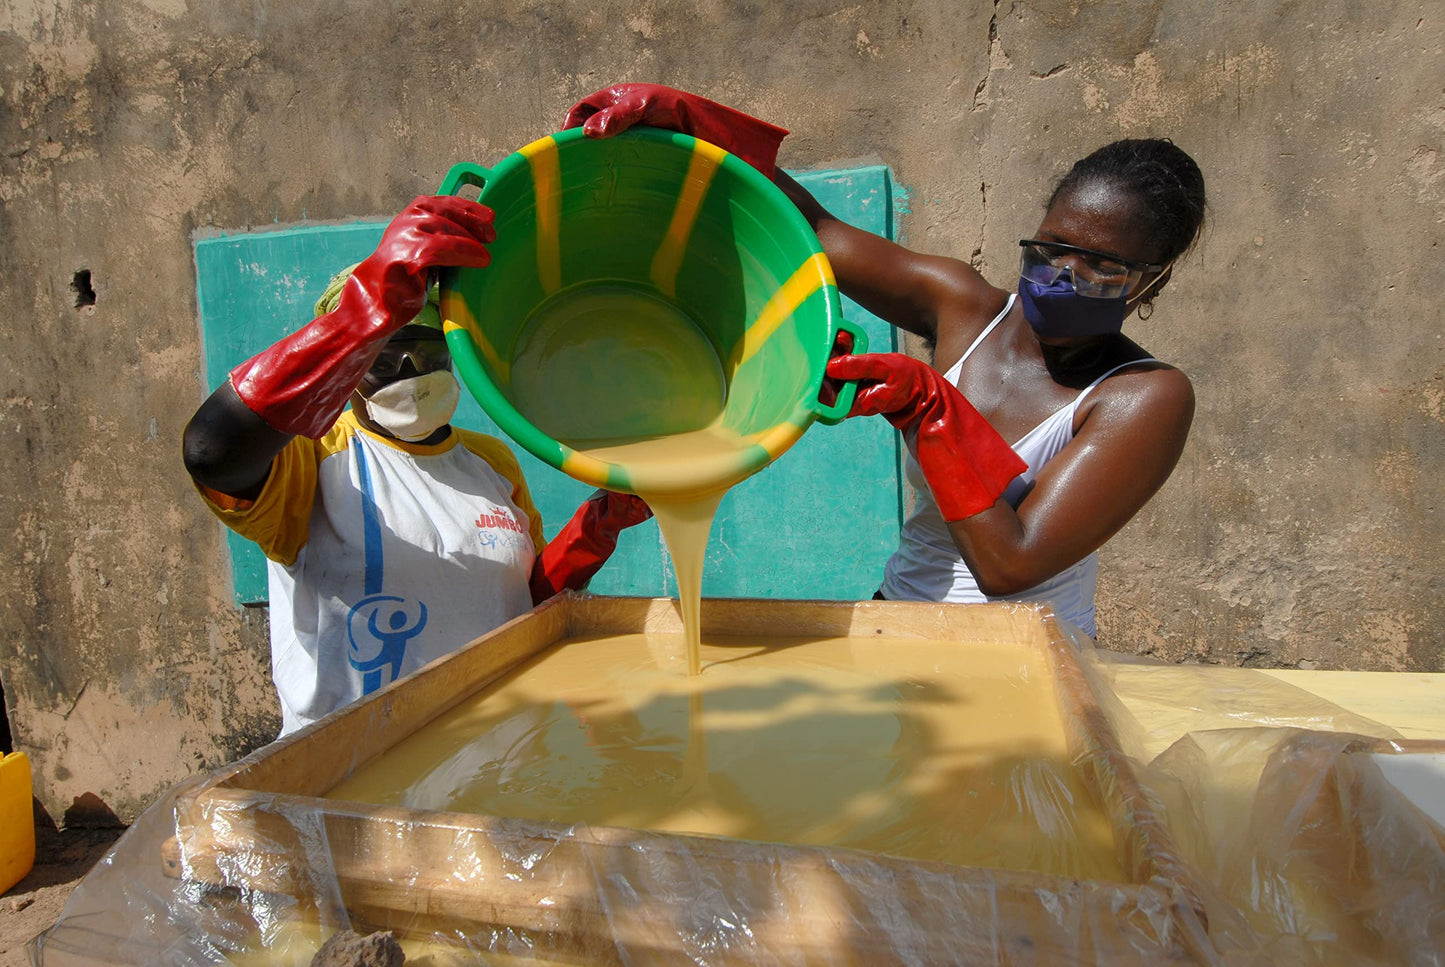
{"points": [[660, 468], [625, 377]]}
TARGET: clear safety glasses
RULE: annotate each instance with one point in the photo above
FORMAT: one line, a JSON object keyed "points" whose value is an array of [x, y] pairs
{"points": [[1097, 275], [426, 355]]}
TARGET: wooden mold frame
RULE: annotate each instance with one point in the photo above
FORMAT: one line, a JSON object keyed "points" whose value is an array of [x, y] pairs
{"points": [[261, 825]]}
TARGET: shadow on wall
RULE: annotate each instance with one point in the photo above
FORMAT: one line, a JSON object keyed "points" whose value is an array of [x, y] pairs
{"points": [[86, 811]]}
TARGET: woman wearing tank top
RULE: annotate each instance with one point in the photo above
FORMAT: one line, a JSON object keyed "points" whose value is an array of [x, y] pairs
{"points": [[1097, 421]]}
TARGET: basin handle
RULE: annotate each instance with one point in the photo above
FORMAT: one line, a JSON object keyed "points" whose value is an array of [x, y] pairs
{"points": [[842, 391], [464, 173]]}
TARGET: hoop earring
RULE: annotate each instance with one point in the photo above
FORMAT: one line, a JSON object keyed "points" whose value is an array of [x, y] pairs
{"points": [[1146, 309]]}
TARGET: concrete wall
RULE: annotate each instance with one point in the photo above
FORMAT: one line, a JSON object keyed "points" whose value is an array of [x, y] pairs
{"points": [[1302, 526]]}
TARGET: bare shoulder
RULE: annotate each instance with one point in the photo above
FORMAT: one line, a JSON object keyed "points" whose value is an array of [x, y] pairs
{"points": [[965, 303], [1149, 393], [956, 284]]}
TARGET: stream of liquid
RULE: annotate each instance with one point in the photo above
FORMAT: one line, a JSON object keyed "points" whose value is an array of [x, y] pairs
{"points": [[660, 468], [626, 377]]}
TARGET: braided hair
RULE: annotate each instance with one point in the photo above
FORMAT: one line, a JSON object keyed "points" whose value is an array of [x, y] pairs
{"points": [[1160, 176]]}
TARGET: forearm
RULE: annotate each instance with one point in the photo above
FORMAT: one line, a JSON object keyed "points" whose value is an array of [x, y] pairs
{"points": [[1009, 552], [1129, 443], [228, 448], [1000, 552]]}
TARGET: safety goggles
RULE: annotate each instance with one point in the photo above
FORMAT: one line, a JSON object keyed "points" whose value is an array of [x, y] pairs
{"points": [[426, 355], [1097, 275]]}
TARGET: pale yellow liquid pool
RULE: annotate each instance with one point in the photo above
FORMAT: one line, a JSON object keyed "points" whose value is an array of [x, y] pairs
{"points": [[615, 363], [920, 749]]}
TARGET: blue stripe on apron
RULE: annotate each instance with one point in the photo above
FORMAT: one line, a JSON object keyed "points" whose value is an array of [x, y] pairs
{"points": [[371, 525]]}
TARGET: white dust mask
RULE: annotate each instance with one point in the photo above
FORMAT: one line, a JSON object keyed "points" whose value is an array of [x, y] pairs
{"points": [[413, 409]]}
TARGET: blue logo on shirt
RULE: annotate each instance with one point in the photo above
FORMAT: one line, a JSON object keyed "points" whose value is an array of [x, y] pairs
{"points": [[379, 627]]}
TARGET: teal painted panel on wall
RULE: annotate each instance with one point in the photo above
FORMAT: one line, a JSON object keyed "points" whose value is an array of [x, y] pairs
{"points": [[818, 523]]}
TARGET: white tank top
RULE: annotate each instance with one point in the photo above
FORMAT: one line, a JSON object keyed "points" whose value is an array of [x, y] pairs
{"points": [[927, 565]]}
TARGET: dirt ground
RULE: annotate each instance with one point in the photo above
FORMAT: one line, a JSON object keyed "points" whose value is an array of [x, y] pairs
{"points": [[62, 858]]}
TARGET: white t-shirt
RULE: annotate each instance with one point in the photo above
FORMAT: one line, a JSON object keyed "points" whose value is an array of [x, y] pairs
{"points": [[383, 556], [927, 565]]}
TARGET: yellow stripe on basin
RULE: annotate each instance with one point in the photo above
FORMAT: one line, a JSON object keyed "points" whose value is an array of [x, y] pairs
{"points": [[587, 469], [668, 259], [811, 276], [456, 315], [541, 156], [776, 439]]}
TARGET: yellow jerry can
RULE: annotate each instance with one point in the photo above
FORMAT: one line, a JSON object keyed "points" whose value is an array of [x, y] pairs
{"points": [[17, 820]]}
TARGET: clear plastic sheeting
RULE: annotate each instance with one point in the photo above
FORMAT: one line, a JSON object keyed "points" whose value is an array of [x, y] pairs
{"points": [[594, 896], [1307, 854], [1154, 704], [1251, 821], [1313, 857]]}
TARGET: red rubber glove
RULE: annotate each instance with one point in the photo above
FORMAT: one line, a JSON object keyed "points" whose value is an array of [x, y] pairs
{"points": [[300, 385], [581, 548], [966, 463], [613, 110]]}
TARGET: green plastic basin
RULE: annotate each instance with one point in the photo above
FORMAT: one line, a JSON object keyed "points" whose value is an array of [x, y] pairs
{"points": [[669, 247]]}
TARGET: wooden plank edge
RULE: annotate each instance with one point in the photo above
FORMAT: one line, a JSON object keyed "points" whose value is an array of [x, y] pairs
{"points": [[1146, 845]]}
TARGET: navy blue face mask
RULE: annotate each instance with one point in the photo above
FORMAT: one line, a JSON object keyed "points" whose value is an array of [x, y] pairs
{"points": [[1057, 311]]}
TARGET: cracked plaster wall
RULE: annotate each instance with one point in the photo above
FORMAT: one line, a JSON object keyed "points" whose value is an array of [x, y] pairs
{"points": [[1302, 526]]}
